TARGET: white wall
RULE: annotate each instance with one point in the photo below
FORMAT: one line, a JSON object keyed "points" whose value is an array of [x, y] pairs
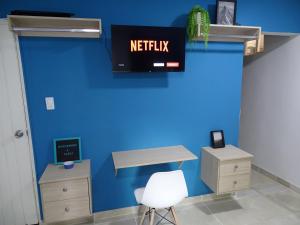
{"points": [[270, 114]]}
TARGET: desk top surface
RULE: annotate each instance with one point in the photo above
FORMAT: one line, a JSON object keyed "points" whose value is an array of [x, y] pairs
{"points": [[56, 173], [151, 156], [230, 152]]}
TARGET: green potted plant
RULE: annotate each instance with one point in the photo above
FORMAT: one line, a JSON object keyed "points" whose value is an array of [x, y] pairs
{"points": [[198, 24]]}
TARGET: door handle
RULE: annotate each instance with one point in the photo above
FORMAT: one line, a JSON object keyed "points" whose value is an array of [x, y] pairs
{"points": [[19, 134]]}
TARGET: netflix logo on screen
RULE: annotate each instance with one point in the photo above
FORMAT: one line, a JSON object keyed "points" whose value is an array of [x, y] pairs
{"points": [[148, 45]]}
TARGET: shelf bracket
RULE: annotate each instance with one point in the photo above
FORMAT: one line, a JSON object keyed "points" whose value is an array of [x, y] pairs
{"points": [[180, 164]]}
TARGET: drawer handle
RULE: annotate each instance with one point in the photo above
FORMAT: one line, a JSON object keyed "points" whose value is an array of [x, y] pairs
{"points": [[236, 167], [235, 182], [65, 189], [67, 209]]}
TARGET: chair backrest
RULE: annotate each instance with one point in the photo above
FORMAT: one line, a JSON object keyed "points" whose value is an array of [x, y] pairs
{"points": [[165, 189]]}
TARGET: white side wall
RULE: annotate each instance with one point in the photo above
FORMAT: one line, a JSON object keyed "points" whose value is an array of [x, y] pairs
{"points": [[270, 114]]}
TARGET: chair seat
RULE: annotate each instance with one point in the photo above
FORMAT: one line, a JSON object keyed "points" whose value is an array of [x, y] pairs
{"points": [[138, 193]]}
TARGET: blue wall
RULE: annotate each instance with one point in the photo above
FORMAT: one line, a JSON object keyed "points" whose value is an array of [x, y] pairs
{"points": [[127, 111]]}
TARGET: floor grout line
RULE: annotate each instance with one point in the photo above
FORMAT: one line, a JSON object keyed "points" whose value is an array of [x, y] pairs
{"points": [[136, 220]]}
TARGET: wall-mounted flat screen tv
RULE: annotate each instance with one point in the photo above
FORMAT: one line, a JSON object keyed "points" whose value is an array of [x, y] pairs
{"points": [[148, 49]]}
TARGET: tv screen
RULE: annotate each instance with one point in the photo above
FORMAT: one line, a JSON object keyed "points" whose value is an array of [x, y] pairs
{"points": [[148, 49]]}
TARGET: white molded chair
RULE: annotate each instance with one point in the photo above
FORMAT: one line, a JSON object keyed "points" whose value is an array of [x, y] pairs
{"points": [[163, 191]]}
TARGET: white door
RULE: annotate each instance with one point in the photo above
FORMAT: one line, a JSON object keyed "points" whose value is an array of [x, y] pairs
{"points": [[18, 205]]}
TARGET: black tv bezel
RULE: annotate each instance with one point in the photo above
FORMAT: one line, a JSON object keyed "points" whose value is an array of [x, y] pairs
{"points": [[171, 70]]}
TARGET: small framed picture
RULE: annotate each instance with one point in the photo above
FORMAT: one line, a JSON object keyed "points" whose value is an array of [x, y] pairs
{"points": [[67, 149], [226, 12], [217, 139]]}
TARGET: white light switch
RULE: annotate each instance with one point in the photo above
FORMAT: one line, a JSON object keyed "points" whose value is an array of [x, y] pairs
{"points": [[49, 103]]}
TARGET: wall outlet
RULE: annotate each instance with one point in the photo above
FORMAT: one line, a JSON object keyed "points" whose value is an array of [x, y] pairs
{"points": [[49, 103]]}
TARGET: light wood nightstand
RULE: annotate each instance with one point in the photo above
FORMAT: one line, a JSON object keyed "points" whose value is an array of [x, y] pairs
{"points": [[66, 194], [226, 170]]}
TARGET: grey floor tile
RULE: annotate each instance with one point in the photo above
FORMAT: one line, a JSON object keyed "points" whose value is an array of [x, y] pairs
{"points": [[245, 194], [197, 214], [287, 198], [258, 179], [297, 215], [118, 220], [223, 206], [244, 211], [269, 188], [230, 212], [122, 221], [280, 220]]}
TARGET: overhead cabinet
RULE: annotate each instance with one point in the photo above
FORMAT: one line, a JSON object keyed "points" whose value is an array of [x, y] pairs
{"points": [[55, 26]]}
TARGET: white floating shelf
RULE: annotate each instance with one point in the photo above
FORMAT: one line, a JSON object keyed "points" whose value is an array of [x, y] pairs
{"points": [[280, 34], [230, 33], [39, 26]]}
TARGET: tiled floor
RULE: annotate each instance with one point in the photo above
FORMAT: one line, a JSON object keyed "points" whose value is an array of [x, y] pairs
{"points": [[266, 203]]}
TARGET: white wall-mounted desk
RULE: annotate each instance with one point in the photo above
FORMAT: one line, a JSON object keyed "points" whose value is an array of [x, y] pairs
{"points": [[151, 156]]}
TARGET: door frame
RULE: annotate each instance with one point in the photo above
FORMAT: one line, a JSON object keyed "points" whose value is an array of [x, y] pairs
{"points": [[28, 129]]}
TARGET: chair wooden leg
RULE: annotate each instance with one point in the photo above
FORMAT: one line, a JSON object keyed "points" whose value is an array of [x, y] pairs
{"points": [[174, 216], [152, 217], [144, 214]]}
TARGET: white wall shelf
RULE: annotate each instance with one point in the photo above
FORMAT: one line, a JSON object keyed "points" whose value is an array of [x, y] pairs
{"points": [[55, 26], [280, 34], [230, 33], [251, 36]]}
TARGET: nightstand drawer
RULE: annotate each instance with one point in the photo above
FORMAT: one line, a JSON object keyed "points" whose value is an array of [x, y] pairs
{"points": [[235, 167], [57, 191], [233, 183], [67, 209]]}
